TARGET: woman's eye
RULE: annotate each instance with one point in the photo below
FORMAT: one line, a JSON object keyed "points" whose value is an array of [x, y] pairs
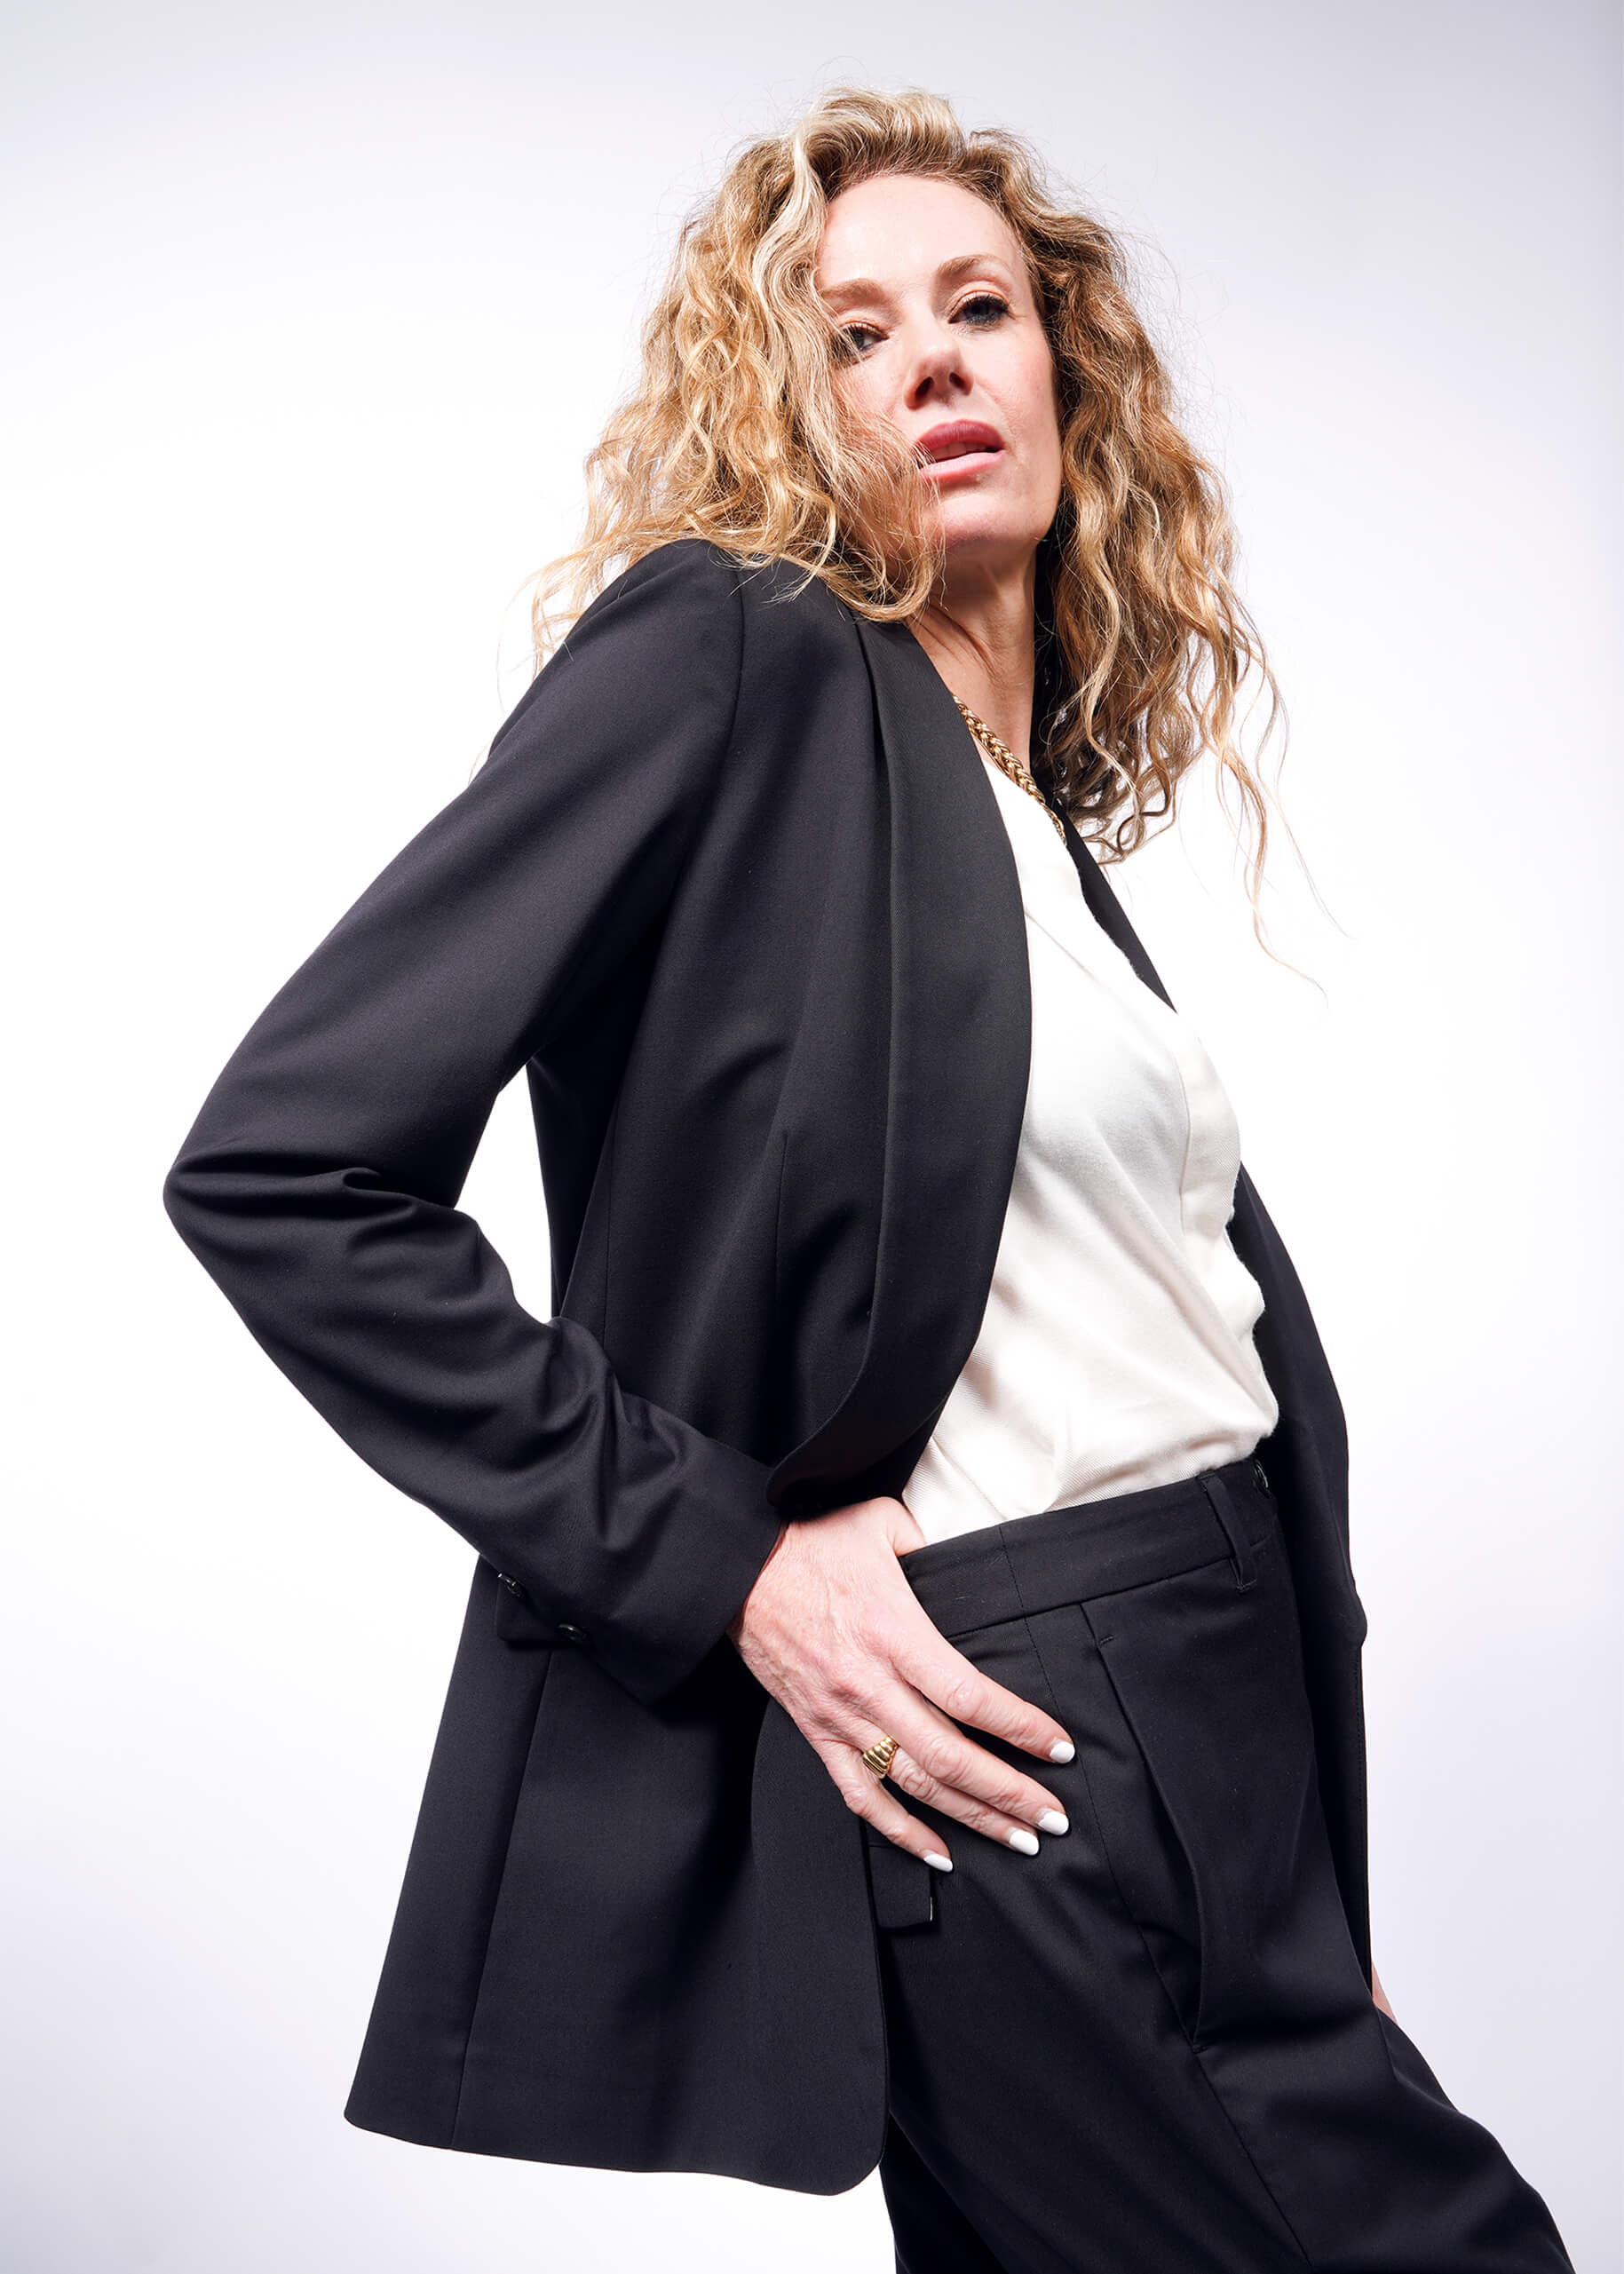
{"points": [[982, 309]]}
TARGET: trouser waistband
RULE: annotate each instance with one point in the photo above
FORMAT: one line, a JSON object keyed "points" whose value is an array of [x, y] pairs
{"points": [[1070, 1555]]}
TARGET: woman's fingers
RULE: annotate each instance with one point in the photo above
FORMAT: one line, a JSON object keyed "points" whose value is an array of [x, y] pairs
{"points": [[866, 1795], [947, 1677], [937, 1763]]}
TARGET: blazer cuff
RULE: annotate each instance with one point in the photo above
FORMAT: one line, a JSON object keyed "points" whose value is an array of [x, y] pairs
{"points": [[676, 1596]]}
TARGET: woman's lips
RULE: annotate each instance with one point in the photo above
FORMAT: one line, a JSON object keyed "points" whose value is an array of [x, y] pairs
{"points": [[963, 468], [958, 449]]}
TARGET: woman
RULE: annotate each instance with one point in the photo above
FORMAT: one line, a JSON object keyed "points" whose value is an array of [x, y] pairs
{"points": [[908, 1706]]}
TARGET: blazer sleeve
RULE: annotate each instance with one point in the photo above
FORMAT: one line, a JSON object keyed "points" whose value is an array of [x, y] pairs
{"points": [[319, 1184]]}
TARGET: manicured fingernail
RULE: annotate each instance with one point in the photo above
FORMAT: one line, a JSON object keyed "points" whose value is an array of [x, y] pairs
{"points": [[938, 1863], [1026, 1841], [1052, 1820], [1063, 1750]]}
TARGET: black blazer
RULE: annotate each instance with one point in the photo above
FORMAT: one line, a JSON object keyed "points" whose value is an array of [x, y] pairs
{"points": [[732, 888]]}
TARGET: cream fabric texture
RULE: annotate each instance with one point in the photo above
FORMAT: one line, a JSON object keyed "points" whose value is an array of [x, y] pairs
{"points": [[1116, 1350]]}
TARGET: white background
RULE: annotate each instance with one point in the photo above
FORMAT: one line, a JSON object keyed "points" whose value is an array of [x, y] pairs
{"points": [[314, 314]]}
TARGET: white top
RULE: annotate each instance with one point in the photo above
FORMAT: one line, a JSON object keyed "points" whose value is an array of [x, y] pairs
{"points": [[1116, 1350]]}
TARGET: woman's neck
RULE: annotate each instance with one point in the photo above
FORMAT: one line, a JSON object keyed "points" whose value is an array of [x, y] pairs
{"points": [[979, 632]]}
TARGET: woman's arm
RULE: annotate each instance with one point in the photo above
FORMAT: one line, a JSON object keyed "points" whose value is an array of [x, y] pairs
{"points": [[318, 1185]]}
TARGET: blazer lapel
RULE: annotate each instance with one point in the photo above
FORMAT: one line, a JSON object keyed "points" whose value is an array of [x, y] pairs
{"points": [[1107, 910], [960, 1047]]}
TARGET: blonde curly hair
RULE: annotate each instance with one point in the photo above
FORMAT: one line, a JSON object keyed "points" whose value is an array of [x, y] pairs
{"points": [[738, 431]]}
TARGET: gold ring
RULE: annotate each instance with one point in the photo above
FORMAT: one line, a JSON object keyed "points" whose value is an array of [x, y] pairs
{"points": [[879, 1755]]}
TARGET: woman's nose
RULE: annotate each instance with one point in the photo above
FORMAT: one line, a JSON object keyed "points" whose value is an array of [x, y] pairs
{"points": [[936, 367]]}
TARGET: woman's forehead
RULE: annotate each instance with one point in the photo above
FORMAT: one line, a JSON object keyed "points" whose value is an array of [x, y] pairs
{"points": [[895, 227]]}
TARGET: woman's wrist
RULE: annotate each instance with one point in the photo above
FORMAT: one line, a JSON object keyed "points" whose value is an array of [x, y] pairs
{"points": [[735, 1625]]}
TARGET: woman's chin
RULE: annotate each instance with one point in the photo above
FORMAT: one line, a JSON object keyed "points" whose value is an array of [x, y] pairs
{"points": [[988, 542]]}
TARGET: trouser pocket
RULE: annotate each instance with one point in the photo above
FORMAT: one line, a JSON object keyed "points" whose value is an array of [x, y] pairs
{"points": [[1197, 1742], [901, 1888]]}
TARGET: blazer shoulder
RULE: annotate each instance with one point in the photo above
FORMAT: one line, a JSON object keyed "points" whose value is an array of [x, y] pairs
{"points": [[684, 576], [696, 567], [700, 624], [668, 619]]}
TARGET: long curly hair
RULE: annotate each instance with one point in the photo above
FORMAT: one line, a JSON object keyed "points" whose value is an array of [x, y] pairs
{"points": [[737, 431]]}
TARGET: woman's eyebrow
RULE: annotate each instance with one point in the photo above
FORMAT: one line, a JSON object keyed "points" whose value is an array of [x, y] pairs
{"points": [[866, 287]]}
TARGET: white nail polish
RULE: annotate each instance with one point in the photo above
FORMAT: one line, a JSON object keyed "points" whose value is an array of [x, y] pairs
{"points": [[1052, 1820], [938, 1863], [1063, 1749], [1026, 1841]]}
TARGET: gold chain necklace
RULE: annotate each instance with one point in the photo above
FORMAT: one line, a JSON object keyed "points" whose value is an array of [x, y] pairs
{"points": [[1003, 756]]}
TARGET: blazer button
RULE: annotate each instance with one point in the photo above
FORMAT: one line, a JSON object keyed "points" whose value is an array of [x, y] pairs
{"points": [[569, 1633], [511, 1585]]}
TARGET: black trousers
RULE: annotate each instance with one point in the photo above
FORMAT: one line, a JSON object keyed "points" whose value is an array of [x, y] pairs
{"points": [[1151, 2049]]}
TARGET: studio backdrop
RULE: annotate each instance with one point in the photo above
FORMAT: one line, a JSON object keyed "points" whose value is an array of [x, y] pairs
{"points": [[315, 316]]}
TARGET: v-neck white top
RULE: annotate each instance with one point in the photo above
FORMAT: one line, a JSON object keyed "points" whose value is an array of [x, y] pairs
{"points": [[1116, 1350]]}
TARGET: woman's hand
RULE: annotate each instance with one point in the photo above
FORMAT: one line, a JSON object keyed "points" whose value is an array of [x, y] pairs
{"points": [[833, 1630], [1380, 1995]]}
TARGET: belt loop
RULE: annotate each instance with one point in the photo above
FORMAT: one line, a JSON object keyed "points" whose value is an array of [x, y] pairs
{"points": [[1224, 1508]]}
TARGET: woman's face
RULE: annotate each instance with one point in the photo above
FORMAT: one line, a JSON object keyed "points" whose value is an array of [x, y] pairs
{"points": [[945, 340]]}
